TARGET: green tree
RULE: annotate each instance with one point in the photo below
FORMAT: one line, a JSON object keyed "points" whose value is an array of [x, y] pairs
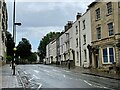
{"points": [[45, 40], [24, 49], [32, 58], [10, 44]]}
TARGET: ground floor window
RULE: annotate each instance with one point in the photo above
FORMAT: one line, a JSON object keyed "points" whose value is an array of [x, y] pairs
{"points": [[108, 55]]}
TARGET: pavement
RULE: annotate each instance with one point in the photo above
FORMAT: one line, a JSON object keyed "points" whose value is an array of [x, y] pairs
{"points": [[95, 72], [7, 80]]}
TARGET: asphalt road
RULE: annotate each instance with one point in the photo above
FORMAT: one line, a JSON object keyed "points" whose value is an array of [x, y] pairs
{"points": [[47, 76]]}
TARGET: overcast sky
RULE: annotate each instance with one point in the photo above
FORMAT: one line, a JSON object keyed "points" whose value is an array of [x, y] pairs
{"points": [[38, 17]]}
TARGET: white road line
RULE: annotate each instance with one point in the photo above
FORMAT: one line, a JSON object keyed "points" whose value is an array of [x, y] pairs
{"points": [[36, 77], [46, 71], [87, 83], [40, 85], [56, 70], [25, 72], [36, 71], [31, 79], [64, 76]]}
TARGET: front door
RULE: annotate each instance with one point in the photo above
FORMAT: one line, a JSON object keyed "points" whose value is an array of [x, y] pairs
{"points": [[96, 61]]}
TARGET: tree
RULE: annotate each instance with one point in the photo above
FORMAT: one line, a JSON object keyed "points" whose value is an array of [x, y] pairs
{"points": [[24, 49], [10, 44], [32, 58], [45, 40]]}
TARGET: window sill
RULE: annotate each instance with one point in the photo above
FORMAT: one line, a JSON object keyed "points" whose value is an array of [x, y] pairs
{"points": [[97, 19], [84, 44], [107, 63], [109, 14]]}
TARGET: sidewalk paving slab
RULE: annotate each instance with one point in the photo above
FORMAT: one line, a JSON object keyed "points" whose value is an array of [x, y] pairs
{"points": [[95, 72], [7, 79]]}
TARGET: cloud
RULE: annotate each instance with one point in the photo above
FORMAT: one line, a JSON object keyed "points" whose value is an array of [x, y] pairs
{"points": [[39, 18], [35, 34]]}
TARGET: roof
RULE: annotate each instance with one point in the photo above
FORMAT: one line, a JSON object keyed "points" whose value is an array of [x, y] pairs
{"points": [[93, 3]]}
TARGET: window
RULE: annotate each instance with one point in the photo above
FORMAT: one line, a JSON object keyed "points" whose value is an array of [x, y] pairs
{"points": [[0, 4], [84, 37], [110, 28], [108, 55], [77, 57], [105, 55], [83, 24], [98, 14], [98, 32], [119, 4], [85, 54], [111, 55], [76, 29], [77, 42], [109, 8]]}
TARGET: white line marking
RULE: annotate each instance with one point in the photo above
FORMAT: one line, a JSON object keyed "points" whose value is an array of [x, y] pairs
{"points": [[87, 83], [64, 76], [40, 85], [36, 71], [56, 70], [46, 71], [36, 77], [25, 72], [31, 79]]}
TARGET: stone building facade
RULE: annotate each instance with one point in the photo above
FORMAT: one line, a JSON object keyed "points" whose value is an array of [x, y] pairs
{"points": [[105, 24], [3, 29]]}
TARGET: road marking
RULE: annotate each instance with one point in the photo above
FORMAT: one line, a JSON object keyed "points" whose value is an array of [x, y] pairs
{"points": [[64, 76], [40, 85], [65, 70], [25, 72], [36, 71], [46, 71], [36, 77], [31, 79], [56, 70], [87, 83]]}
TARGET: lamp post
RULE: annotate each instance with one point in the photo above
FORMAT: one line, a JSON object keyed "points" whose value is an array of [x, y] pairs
{"points": [[14, 37]]}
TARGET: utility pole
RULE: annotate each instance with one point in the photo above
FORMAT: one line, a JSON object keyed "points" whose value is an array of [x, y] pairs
{"points": [[14, 37]]}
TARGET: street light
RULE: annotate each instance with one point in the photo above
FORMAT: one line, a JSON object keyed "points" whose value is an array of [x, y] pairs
{"points": [[14, 37]]}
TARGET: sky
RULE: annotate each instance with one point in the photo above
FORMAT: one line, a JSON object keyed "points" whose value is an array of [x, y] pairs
{"points": [[39, 17]]}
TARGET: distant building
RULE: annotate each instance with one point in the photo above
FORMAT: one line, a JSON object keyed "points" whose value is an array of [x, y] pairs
{"points": [[3, 29], [105, 23]]}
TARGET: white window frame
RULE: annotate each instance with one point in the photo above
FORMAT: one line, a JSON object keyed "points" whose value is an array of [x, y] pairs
{"points": [[98, 33], [84, 26], [76, 30], [108, 55], [112, 28], [97, 18], [108, 8]]}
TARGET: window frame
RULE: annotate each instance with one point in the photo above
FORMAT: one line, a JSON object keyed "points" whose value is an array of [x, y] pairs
{"points": [[98, 14], [109, 8], [76, 30], [84, 38], [109, 29], [85, 55], [76, 42], [98, 33], [108, 56], [83, 22]]}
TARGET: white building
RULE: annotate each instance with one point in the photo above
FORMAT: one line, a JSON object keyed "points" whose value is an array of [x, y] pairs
{"points": [[47, 60], [85, 29], [3, 29], [53, 51]]}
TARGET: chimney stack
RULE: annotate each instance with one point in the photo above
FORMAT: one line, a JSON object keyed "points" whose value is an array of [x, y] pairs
{"points": [[78, 16]]}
